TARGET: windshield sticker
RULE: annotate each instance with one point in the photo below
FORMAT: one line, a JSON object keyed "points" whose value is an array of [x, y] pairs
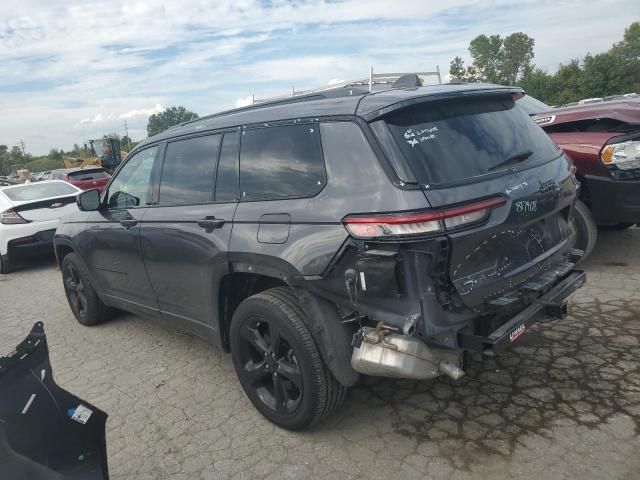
{"points": [[419, 136], [517, 187]]}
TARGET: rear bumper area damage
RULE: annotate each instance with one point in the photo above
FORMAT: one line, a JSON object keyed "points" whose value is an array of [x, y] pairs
{"points": [[408, 321], [389, 352], [550, 306]]}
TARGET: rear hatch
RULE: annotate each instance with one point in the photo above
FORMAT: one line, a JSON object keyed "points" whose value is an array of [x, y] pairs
{"points": [[88, 179], [464, 151], [44, 201]]}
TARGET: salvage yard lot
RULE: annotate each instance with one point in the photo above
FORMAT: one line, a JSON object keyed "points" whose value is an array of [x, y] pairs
{"points": [[564, 404]]}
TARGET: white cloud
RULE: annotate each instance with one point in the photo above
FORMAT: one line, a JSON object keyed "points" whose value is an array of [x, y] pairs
{"points": [[70, 69], [245, 101], [141, 112], [99, 118]]}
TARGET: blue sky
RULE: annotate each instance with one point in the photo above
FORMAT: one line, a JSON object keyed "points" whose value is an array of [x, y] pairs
{"points": [[76, 69]]}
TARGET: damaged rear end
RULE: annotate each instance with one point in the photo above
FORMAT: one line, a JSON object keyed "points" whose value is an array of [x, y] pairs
{"points": [[490, 254]]}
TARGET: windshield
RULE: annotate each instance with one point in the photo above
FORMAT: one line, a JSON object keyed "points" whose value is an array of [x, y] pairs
{"points": [[37, 191], [532, 106], [96, 145], [449, 141], [88, 175]]}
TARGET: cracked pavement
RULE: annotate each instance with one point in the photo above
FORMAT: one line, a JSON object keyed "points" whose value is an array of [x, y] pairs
{"points": [[564, 404]]}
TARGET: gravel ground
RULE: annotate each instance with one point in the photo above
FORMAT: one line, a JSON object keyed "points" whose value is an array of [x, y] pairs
{"points": [[564, 404]]}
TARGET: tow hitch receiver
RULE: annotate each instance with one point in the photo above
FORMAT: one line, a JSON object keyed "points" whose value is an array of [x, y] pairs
{"points": [[550, 306]]}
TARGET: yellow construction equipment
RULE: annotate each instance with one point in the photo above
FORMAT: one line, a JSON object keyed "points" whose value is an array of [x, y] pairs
{"points": [[104, 152]]}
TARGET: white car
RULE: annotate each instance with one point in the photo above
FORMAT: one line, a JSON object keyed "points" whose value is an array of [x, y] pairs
{"points": [[29, 215]]}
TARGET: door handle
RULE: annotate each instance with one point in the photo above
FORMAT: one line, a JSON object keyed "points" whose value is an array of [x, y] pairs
{"points": [[128, 223], [210, 223]]}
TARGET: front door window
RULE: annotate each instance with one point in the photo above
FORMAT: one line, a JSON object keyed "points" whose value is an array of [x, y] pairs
{"points": [[131, 187]]}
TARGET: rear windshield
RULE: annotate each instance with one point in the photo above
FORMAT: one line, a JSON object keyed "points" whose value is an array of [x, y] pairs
{"points": [[87, 175], [36, 191], [450, 141]]}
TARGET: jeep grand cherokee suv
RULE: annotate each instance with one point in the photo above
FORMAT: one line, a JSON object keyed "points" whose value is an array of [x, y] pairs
{"points": [[603, 140], [335, 234]]}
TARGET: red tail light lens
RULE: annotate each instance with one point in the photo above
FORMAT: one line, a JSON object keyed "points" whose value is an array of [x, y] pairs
{"points": [[410, 224], [11, 217]]}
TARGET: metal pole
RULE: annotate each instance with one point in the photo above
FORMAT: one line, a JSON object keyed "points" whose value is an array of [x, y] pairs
{"points": [[253, 99], [126, 129], [371, 79], [293, 90], [438, 70]]}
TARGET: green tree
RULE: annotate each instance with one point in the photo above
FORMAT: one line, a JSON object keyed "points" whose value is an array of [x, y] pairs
{"points": [[55, 154], [567, 83], [458, 71], [517, 54], [627, 53], [159, 122], [486, 53], [4, 160], [538, 83], [499, 60], [456, 68], [126, 143]]}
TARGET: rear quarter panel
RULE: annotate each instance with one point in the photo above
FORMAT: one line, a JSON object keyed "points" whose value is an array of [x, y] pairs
{"points": [[356, 183]]}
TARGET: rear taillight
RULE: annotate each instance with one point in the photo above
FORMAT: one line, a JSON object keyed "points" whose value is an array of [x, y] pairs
{"points": [[410, 224], [11, 217]]}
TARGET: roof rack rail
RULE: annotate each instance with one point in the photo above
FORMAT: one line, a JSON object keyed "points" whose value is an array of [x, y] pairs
{"points": [[374, 80], [347, 88]]}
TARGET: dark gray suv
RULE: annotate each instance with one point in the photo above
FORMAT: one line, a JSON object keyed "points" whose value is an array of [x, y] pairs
{"points": [[335, 234]]}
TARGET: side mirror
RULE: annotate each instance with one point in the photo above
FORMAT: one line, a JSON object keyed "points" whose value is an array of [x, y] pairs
{"points": [[89, 201]]}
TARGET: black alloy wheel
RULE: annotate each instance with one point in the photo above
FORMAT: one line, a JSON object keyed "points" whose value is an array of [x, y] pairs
{"points": [[83, 299], [269, 365], [74, 287], [278, 363]]}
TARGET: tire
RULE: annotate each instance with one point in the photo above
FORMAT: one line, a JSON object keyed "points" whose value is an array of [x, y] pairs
{"points": [[83, 299], [586, 230], [6, 265], [278, 363], [617, 227]]}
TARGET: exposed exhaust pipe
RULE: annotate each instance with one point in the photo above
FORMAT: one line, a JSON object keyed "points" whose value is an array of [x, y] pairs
{"points": [[383, 353]]}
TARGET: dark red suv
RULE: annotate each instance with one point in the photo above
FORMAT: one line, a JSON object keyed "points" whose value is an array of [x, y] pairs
{"points": [[84, 178], [603, 140]]}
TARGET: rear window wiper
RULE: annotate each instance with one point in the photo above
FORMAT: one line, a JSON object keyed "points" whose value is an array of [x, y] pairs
{"points": [[517, 158]]}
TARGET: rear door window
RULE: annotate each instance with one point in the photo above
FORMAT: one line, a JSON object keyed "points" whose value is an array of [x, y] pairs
{"points": [[281, 162], [188, 172], [450, 141]]}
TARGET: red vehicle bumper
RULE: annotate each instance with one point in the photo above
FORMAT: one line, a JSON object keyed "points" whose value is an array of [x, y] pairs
{"points": [[613, 201]]}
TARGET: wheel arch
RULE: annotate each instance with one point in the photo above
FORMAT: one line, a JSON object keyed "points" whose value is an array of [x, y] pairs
{"points": [[62, 248], [321, 315]]}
